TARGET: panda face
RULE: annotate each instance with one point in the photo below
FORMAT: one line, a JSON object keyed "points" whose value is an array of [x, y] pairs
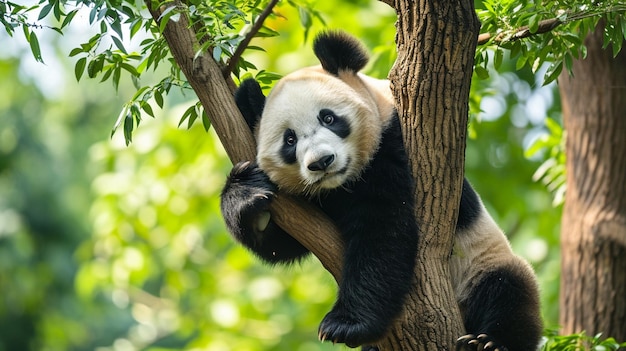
{"points": [[316, 133]]}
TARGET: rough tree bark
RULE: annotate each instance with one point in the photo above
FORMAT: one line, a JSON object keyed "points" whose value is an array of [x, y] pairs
{"points": [[593, 234], [431, 80]]}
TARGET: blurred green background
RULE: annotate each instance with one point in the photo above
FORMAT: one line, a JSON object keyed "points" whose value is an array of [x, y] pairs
{"points": [[109, 247]]}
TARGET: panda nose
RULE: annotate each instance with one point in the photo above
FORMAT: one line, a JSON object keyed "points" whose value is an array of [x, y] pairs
{"points": [[322, 163]]}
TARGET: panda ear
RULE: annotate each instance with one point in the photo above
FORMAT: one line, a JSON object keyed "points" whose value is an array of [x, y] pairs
{"points": [[250, 100], [339, 51]]}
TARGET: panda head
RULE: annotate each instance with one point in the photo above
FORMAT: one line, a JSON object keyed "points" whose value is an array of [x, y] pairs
{"points": [[320, 126]]}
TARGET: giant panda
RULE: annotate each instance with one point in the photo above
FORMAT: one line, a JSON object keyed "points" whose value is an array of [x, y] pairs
{"points": [[332, 136]]}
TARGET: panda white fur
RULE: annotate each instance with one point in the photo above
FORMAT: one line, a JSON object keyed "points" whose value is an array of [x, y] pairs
{"points": [[332, 135]]}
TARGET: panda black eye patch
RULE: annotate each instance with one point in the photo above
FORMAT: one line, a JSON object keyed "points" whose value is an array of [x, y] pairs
{"points": [[288, 150], [336, 124]]}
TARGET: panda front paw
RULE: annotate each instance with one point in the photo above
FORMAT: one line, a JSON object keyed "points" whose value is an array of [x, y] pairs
{"points": [[245, 201], [471, 342], [341, 327]]}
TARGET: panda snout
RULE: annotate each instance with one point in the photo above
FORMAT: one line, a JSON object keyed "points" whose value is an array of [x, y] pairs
{"points": [[322, 163]]}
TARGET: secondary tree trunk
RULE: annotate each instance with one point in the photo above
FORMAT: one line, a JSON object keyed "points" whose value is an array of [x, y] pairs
{"points": [[431, 78], [593, 237]]}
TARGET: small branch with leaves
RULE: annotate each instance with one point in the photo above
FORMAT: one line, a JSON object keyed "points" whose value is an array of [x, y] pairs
{"points": [[519, 33], [546, 25], [249, 36]]}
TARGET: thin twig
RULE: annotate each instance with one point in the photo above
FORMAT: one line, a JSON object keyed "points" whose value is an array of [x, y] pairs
{"points": [[253, 31]]}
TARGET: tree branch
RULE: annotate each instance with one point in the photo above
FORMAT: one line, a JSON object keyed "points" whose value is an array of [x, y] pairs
{"points": [[304, 222], [249, 36], [519, 33], [545, 25]]}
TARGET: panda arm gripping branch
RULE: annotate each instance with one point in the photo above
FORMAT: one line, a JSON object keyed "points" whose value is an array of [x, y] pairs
{"points": [[245, 206]]}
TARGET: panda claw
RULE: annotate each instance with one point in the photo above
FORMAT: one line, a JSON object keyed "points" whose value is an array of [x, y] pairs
{"points": [[480, 342], [241, 166], [465, 337]]}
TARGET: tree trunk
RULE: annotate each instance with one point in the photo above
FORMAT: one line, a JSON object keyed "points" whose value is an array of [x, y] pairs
{"points": [[431, 78], [593, 236]]}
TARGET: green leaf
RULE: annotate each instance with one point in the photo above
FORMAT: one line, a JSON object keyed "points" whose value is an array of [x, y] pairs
{"points": [[516, 47], [79, 69], [135, 111], [158, 98], [75, 51], [186, 115], [533, 23], [44, 11], [165, 17], [147, 108], [554, 127], [57, 10], [135, 26], [141, 67], [34, 47], [102, 13], [617, 41], [128, 128], [206, 122], [92, 14], [117, 72], [92, 69], [481, 72], [521, 62], [497, 62], [553, 72], [26, 31], [108, 70], [118, 44], [217, 53], [139, 92], [117, 27], [192, 117], [569, 61], [305, 17]]}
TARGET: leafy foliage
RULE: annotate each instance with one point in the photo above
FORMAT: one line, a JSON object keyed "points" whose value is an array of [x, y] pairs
{"points": [[551, 147], [580, 342], [563, 26], [221, 26]]}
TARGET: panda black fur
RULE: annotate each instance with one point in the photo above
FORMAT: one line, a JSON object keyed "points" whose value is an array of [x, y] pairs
{"points": [[332, 135]]}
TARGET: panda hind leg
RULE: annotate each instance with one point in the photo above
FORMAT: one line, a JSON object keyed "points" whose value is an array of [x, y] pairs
{"points": [[502, 312]]}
